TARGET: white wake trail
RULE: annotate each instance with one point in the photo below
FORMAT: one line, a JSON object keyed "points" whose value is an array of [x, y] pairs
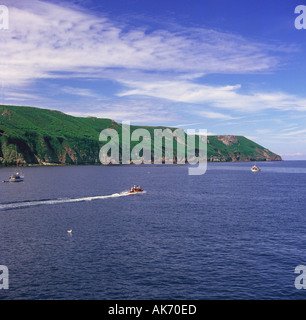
{"points": [[24, 204]]}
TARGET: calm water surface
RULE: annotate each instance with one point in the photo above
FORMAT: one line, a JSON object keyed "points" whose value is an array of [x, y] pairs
{"points": [[228, 234]]}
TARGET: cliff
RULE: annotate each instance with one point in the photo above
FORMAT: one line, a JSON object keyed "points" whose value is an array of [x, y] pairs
{"points": [[43, 137], [237, 148]]}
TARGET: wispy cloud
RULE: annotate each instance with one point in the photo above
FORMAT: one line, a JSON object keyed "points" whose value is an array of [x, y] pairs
{"points": [[225, 97], [137, 111], [81, 92], [215, 115], [18, 96], [46, 40], [295, 133], [292, 154], [188, 124]]}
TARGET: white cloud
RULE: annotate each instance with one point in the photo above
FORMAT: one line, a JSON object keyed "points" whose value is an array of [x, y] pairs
{"points": [[215, 115], [263, 131], [136, 111], [292, 154], [290, 128], [13, 96], [225, 97], [294, 133], [81, 92], [46, 40], [188, 124]]}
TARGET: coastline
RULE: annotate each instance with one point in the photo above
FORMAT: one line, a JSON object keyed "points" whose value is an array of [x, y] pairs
{"points": [[46, 164]]}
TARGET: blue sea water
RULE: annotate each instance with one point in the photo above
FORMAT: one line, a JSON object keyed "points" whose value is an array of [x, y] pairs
{"points": [[228, 234]]}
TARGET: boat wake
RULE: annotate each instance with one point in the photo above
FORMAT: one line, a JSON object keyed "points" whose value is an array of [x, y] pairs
{"points": [[25, 204]]}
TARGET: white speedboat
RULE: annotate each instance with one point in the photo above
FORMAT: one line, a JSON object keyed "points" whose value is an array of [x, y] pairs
{"points": [[255, 169]]}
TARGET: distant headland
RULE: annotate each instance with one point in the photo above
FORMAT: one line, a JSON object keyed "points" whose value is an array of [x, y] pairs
{"points": [[49, 137]]}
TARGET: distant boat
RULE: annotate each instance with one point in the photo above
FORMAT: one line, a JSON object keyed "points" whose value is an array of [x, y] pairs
{"points": [[17, 177], [255, 169]]}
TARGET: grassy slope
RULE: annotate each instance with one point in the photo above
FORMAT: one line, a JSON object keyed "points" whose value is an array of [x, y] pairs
{"points": [[244, 150], [40, 131], [48, 122]]}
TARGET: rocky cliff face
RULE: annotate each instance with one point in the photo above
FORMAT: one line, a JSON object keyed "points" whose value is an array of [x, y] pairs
{"points": [[237, 148], [227, 140], [46, 151]]}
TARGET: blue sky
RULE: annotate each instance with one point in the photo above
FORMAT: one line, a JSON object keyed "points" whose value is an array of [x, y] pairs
{"points": [[228, 66]]}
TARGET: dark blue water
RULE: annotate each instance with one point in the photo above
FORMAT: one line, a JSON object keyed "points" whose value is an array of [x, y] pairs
{"points": [[228, 234]]}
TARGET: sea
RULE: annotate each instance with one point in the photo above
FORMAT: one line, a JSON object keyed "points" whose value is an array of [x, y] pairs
{"points": [[228, 234]]}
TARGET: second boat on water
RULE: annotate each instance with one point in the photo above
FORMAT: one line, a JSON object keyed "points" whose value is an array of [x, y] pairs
{"points": [[255, 169], [18, 176]]}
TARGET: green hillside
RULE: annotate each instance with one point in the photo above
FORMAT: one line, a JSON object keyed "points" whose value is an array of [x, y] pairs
{"points": [[44, 136]]}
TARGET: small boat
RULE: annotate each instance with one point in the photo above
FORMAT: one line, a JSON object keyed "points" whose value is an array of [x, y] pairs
{"points": [[255, 169], [17, 177], [135, 189]]}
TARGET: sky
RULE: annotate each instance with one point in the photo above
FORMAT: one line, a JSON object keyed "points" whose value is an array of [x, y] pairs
{"points": [[229, 66]]}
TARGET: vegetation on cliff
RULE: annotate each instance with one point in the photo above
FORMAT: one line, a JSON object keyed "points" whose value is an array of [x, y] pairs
{"points": [[42, 136]]}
